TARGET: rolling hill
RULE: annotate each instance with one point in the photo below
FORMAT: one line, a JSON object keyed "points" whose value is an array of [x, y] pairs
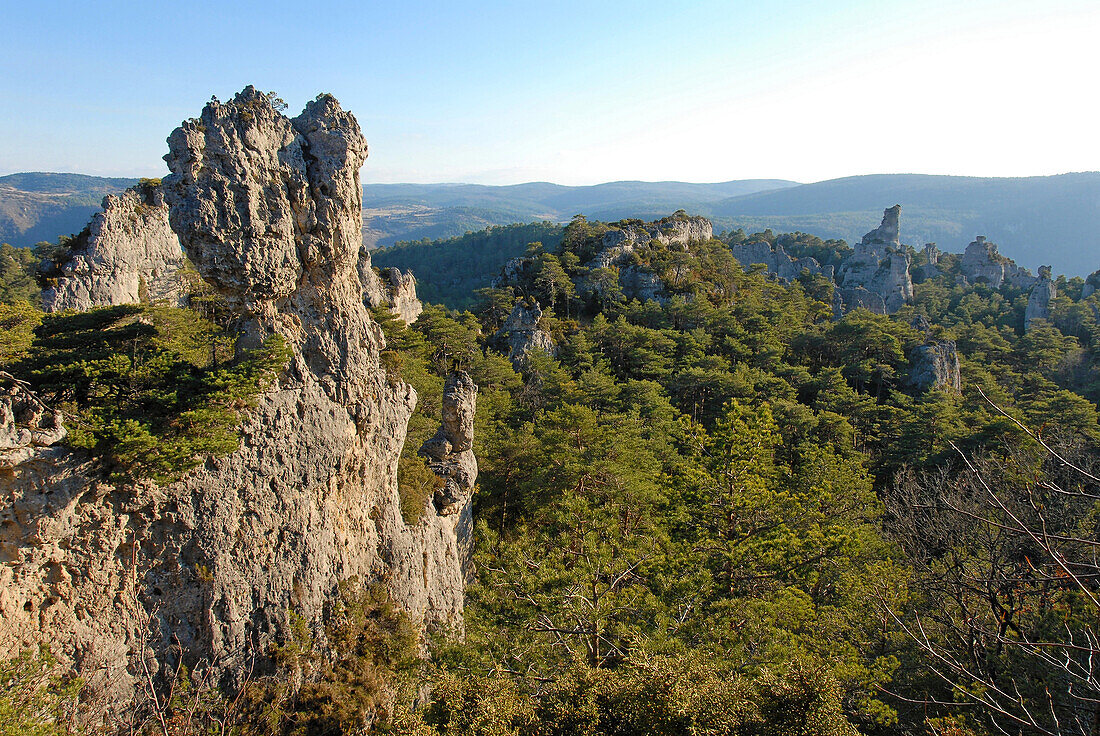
{"points": [[1035, 220]]}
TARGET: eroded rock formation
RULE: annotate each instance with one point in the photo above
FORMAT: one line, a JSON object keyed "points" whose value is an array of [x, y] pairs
{"points": [[778, 262], [268, 210], [935, 365], [127, 254], [521, 333], [880, 266], [982, 263], [1038, 301], [638, 282], [390, 288], [450, 452]]}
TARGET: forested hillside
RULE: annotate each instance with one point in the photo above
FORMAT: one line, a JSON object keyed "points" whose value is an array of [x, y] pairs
{"points": [[732, 513], [453, 269], [724, 510]]}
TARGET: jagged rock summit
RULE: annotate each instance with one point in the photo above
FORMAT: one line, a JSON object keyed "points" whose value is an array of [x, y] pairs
{"points": [[1038, 301], [521, 334], [127, 254], [876, 276], [268, 209]]}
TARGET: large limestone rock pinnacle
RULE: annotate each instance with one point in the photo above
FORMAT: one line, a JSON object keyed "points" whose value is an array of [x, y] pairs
{"points": [[450, 452], [889, 230], [878, 270], [521, 333], [127, 254], [268, 210], [1038, 301]]}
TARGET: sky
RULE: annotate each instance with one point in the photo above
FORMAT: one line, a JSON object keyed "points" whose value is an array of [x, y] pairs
{"points": [[508, 91]]}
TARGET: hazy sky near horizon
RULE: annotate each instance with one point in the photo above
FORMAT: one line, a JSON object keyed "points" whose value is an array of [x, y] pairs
{"points": [[506, 91]]}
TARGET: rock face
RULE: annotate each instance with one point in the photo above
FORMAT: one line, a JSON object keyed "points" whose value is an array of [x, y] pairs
{"points": [[1092, 283], [880, 266], [27, 426], [620, 243], [935, 365], [981, 262], [521, 333], [450, 452], [930, 269], [1038, 302], [777, 261], [390, 288], [889, 230], [128, 254], [268, 210]]}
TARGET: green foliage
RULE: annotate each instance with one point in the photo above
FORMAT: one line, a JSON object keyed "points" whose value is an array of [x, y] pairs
{"points": [[449, 271], [149, 391], [35, 699], [648, 696], [17, 267], [18, 321], [369, 670]]}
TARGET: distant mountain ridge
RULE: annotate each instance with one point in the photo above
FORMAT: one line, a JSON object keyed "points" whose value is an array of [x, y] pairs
{"points": [[40, 206], [1035, 220]]}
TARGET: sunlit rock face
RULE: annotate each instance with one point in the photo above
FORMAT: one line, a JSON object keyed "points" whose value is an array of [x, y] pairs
{"points": [[1038, 301], [389, 288], [880, 266], [127, 255], [268, 209]]}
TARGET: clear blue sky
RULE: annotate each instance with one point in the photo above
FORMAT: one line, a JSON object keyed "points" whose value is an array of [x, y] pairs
{"points": [[573, 92]]}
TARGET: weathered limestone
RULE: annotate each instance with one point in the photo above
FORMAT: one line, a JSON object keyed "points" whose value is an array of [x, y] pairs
{"points": [[128, 254], [935, 365], [390, 288], [620, 243], [981, 262], [1038, 302], [777, 261], [1092, 283], [930, 269], [27, 426], [879, 265], [521, 333], [450, 452], [268, 210]]}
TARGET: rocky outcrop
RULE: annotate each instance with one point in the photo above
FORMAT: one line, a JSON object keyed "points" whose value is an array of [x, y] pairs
{"points": [[982, 263], [268, 210], [389, 288], [879, 265], [930, 269], [888, 233], [521, 333], [681, 230], [935, 365], [1038, 302], [1092, 283], [450, 453], [127, 254], [27, 426], [777, 261], [620, 243], [846, 300]]}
